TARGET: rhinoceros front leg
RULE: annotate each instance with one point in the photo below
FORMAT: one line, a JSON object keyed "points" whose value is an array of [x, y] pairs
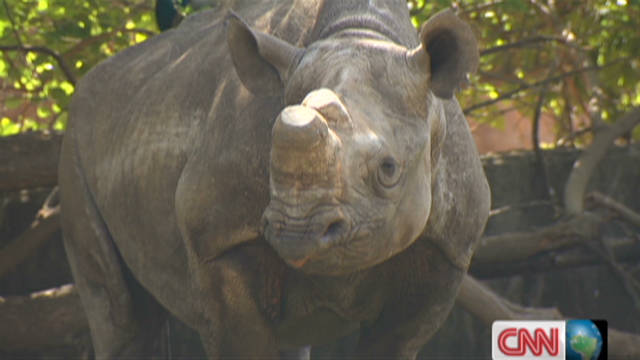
{"points": [[426, 285], [238, 294], [124, 319], [235, 272]]}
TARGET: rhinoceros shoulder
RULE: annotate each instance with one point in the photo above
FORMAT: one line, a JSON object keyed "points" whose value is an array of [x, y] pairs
{"points": [[461, 194]]}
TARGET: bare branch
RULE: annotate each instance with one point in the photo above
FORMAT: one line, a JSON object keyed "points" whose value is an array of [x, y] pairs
{"points": [[26, 244], [630, 285], [508, 78], [519, 246], [488, 306], [480, 7], [44, 50], [573, 135], [626, 213], [50, 318], [535, 138], [82, 44], [506, 208], [512, 93], [624, 250], [29, 160], [535, 124], [588, 160], [14, 28], [529, 41], [138, 31]]}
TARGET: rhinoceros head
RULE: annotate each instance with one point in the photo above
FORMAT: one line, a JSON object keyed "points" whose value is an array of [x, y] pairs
{"points": [[354, 149]]}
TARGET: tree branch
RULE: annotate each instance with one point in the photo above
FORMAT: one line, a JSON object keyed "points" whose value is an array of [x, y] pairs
{"points": [[507, 208], [50, 318], [66, 70], [588, 160], [630, 284], [488, 306], [512, 93], [82, 44], [480, 7], [29, 160], [623, 250], [520, 246], [507, 78], [535, 139], [574, 134], [16, 34], [528, 41], [40, 231], [626, 213]]}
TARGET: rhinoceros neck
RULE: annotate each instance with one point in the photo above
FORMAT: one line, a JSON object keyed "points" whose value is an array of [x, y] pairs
{"points": [[386, 19]]}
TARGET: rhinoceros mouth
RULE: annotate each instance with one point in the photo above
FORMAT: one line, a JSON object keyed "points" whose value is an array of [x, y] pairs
{"points": [[338, 247], [344, 257], [300, 241]]}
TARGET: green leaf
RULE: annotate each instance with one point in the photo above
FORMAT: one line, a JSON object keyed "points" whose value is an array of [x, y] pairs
{"points": [[13, 102], [67, 87], [8, 127]]}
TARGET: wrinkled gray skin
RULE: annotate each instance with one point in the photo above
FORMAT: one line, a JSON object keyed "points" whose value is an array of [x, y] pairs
{"points": [[276, 182]]}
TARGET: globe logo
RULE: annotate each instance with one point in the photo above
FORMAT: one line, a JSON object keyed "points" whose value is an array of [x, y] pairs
{"points": [[584, 341]]}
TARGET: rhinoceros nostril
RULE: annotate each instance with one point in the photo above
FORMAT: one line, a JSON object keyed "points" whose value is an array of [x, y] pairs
{"points": [[333, 231]]}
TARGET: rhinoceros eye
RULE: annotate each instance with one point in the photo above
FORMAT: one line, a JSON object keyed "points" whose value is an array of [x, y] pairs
{"points": [[388, 172]]}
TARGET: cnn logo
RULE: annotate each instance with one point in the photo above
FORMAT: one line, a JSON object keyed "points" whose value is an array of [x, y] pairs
{"points": [[526, 340]]}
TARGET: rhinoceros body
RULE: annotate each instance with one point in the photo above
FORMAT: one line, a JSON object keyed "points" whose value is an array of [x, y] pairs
{"points": [[276, 177]]}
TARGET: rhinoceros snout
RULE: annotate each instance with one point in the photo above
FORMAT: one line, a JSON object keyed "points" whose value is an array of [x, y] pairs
{"points": [[299, 241], [304, 174]]}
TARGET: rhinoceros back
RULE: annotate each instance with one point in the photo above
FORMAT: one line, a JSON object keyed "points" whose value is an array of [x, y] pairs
{"points": [[168, 109]]}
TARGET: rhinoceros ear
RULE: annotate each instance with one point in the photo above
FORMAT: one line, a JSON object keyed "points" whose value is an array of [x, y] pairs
{"points": [[448, 50], [261, 60]]}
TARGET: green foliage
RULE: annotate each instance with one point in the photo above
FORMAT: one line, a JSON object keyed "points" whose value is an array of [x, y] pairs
{"points": [[524, 43], [77, 35], [528, 42]]}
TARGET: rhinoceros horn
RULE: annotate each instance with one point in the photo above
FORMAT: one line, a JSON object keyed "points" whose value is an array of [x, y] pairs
{"points": [[448, 52], [303, 148], [327, 103]]}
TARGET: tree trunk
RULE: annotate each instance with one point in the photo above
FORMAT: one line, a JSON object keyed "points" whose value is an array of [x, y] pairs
{"points": [[52, 319], [29, 160]]}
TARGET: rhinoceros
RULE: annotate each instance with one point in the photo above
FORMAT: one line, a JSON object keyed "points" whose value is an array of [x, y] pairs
{"points": [[276, 175]]}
